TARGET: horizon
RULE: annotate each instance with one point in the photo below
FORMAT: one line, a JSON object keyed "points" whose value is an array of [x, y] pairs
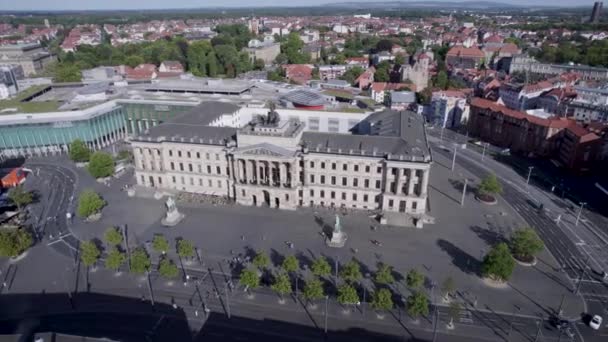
{"points": [[118, 5]]}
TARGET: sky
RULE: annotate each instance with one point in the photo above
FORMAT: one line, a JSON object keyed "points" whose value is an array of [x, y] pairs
{"points": [[162, 4]]}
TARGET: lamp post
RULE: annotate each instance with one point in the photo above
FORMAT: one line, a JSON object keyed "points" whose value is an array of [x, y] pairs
{"points": [[529, 174], [580, 211], [454, 157], [539, 323], [483, 152], [326, 306], [464, 191]]}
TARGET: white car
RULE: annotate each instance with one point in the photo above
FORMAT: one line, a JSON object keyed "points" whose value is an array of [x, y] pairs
{"points": [[596, 322]]}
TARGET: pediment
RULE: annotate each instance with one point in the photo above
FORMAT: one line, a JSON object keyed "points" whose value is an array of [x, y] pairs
{"points": [[262, 152], [265, 150]]}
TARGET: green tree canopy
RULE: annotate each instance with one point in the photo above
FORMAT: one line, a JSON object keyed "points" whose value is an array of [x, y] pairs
{"points": [[281, 284], [454, 311], [384, 275], [249, 278], [20, 197], [115, 259], [113, 236], [382, 300], [101, 165], [490, 185], [352, 74], [292, 48], [140, 261], [185, 248], [314, 289], [448, 287], [134, 61], [525, 243], [417, 304], [414, 279], [89, 203], [259, 64], [320, 267], [261, 260], [89, 253], [79, 151], [160, 244], [67, 72], [13, 242], [167, 268], [384, 45], [351, 272], [498, 264], [290, 264], [382, 74], [441, 81], [347, 294]]}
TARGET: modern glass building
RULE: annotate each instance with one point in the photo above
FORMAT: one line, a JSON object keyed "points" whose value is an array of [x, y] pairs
{"points": [[98, 126]]}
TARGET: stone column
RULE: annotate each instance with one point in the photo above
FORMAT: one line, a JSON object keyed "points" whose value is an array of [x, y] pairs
{"points": [[410, 182], [282, 174], [249, 171], [231, 166], [425, 182]]}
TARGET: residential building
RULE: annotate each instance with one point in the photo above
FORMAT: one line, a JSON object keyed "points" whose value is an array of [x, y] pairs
{"points": [[523, 63], [298, 73], [267, 50], [380, 89], [31, 57], [448, 109], [170, 68], [366, 78], [9, 77], [400, 100], [330, 72], [596, 12], [461, 57], [522, 97], [417, 72]]}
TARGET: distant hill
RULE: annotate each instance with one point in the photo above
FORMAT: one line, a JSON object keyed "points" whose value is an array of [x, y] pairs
{"points": [[427, 5]]}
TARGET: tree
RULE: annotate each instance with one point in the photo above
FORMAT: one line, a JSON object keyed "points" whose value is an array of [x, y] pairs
{"points": [[113, 236], [347, 294], [249, 278], [382, 300], [498, 263], [525, 243], [134, 61], [382, 75], [89, 203], [417, 304], [281, 284], [185, 249], [448, 287], [261, 260], [101, 165], [384, 45], [115, 259], [400, 59], [274, 76], [259, 64], [20, 197], [13, 242], [441, 80], [160, 244], [167, 268], [351, 272], [414, 279], [67, 72], [89, 253], [384, 275], [290, 264], [79, 151], [490, 185], [140, 261], [320, 267], [313, 289], [352, 74]]}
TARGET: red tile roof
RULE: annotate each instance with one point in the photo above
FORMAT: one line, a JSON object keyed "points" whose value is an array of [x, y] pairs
{"points": [[495, 107], [461, 51]]}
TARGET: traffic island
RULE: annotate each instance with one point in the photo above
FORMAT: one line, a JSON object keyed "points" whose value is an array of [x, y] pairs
{"points": [[486, 199], [497, 284], [525, 261]]}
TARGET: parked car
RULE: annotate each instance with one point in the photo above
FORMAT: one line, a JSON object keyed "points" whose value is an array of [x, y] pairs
{"points": [[596, 322]]}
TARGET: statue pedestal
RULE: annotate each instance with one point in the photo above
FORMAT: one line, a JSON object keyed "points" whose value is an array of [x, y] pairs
{"points": [[172, 218], [337, 240]]}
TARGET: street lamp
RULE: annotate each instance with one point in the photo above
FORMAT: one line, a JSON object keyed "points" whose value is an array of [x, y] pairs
{"points": [[483, 152], [454, 157], [529, 174], [326, 306], [579, 213]]}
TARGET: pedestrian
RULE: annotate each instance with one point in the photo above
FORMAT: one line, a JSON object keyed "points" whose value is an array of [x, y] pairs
{"points": [[243, 237]]}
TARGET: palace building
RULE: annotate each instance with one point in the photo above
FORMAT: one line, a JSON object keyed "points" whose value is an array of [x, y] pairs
{"points": [[381, 162]]}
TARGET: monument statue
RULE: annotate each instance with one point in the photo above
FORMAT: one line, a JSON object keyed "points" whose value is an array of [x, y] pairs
{"points": [[338, 237], [272, 118], [173, 215]]}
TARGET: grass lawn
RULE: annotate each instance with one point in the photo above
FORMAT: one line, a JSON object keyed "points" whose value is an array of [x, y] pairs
{"points": [[29, 107]]}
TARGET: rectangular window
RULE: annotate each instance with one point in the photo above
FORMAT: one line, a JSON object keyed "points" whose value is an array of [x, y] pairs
{"points": [[243, 192], [365, 198], [207, 155], [323, 165], [312, 164], [219, 170], [333, 125], [158, 153], [344, 167], [393, 171], [208, 168], [181, 166], [312, 193], [377, 184], [188, 153], [170, 153], [191, 181], [174, 180], [414, 205], [322, 179], [356, 168], [367, 168], [172, 166], [313, 124], [356, 182], [312, 179], [354, 197], [333, 166], [390, 203], [143, 179], [333, 180], [183, 180], [344, 196], [179, 153], [217, 156], [200, 169], [366, 183], [322, 194], [160, 181], [343, 181], [198, 155], [379, 169], [190, 167], [209, 183], [287, 197], [200, 182], [219, 184], [333, 195]]}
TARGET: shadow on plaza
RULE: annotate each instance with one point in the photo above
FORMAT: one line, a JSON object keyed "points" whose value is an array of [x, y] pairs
{"points": [[488, 236], [461, 259], [91, 315]]}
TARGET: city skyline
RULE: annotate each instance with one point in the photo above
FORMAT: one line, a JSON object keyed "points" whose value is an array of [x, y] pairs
{"points": [[39, 5]]}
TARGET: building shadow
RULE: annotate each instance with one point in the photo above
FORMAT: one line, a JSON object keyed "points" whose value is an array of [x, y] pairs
{"points": [[444, 194], [458, 184], [461, 259], [276, 258]]}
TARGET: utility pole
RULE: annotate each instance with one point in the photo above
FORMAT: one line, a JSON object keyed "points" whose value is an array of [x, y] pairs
{"points": [[464, 191], [150, 288], [580, 278], [529, 174], [454, 157], [559, 311], [441, 137], [124, 237], [435, 313], [580, 211], [540, 324], [336, 276]]}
